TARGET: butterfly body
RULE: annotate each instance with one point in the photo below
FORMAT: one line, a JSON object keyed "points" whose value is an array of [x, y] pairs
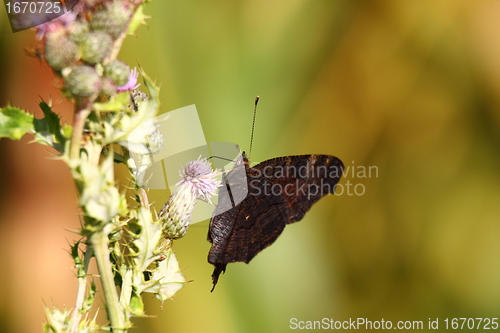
{"points": [[273, 193]]}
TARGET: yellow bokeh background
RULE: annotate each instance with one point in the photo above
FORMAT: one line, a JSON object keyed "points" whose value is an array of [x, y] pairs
{"points": [[409, 87]]}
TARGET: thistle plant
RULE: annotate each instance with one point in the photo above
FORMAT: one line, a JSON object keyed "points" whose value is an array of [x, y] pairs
{"points": [[113, 123]]}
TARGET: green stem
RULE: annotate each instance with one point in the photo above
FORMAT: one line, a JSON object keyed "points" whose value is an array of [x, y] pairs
{"points": [[99, 241], [80, 297], [117, 45], [81, 113], [82, 288]]}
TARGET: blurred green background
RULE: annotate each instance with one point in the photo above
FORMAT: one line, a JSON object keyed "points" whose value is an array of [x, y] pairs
{"points": [[411, 87]]}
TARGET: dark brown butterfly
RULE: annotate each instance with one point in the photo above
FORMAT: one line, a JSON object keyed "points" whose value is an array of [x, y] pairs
{"points": [[278, 192]]}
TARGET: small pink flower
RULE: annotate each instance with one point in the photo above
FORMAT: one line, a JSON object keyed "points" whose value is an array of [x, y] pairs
{"points": [[131, 84]]}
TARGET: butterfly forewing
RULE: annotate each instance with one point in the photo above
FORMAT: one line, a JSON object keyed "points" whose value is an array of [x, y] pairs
{"points": [[300, 180]]}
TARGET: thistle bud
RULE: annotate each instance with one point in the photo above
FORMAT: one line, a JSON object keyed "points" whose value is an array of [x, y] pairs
{"points": [[117, 71], [79, 31], [96, 47], [113, 19], [198, 181], [60, 51], [108, 87], [83, 81]]}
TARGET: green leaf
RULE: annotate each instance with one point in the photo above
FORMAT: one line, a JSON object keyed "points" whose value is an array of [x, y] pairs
{"points": [[57, 321], [116, 103], [152, 255], [138, 19], [136, 305], [169, 276], [153, 90], [148, 239], [14, 123], [48, 130], [67, 131], [131, 129], [99, 198], [87, 303]]}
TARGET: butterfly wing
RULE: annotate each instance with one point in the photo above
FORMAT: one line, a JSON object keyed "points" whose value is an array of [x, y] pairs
{"points": [[301, 180], [280, 191], [242, 231]]}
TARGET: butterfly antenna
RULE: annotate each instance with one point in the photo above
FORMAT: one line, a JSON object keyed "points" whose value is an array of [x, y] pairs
{"points": [[253, 124]]}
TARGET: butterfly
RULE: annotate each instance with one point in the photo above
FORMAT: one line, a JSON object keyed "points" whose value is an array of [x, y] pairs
{"points": [[256, 203]]}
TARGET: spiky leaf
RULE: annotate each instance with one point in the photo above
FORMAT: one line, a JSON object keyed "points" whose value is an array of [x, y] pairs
{"points": [[14, 123], [138, 19]]}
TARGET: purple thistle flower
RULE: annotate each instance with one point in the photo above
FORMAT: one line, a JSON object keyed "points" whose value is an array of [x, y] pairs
{"points": [[131, 84], [199, 177], [198, 181]]}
